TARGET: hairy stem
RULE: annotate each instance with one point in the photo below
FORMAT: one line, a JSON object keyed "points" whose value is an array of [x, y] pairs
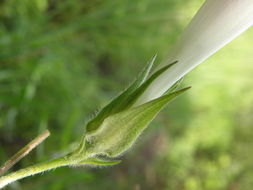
{"points": [[32, 170]]}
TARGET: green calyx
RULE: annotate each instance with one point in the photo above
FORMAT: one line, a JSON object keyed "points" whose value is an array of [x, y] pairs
{"points": [[119, 124], [120, 102], [118, 132]]}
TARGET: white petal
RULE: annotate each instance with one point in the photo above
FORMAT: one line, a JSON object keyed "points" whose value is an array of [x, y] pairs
{"points": [[216, 24]]}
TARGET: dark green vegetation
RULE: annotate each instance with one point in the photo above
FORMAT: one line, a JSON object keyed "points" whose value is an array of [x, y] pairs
{"points": [[61, 60]]}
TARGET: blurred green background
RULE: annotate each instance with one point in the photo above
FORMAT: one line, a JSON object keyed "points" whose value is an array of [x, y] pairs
{"points": [[61, 60]]}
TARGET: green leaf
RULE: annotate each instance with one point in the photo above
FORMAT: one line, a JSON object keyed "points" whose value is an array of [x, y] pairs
{"points": [[99, 162], [119, 131], [117, 104]]}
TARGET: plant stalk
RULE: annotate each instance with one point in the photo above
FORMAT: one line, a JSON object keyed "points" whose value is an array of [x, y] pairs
{"points": [[35, 169]]}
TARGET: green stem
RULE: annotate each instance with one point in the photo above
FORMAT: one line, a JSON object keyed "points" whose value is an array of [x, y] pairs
{"points": [[32, 170]]}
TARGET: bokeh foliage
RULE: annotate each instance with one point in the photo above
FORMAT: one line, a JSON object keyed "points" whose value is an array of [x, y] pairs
{"points": [[61, 60]]}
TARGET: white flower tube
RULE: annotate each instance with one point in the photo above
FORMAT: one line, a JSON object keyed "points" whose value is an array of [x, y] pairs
{"points": [[216, 24]]}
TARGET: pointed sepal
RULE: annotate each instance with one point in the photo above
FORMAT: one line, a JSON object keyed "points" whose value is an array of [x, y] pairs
{"points": [[174, 87], [132, 98], [118, 104], [118, 132]]}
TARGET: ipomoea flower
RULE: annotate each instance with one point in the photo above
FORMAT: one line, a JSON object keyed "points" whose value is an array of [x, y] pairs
{"points": [[120, 123], [216, 24], [117, 126]]}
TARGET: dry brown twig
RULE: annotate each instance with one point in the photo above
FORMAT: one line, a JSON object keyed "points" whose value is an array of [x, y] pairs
{"points": [[24, 151]]}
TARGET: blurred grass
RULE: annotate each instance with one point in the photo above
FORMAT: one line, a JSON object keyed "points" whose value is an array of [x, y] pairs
{"points": [[61, 60]]}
